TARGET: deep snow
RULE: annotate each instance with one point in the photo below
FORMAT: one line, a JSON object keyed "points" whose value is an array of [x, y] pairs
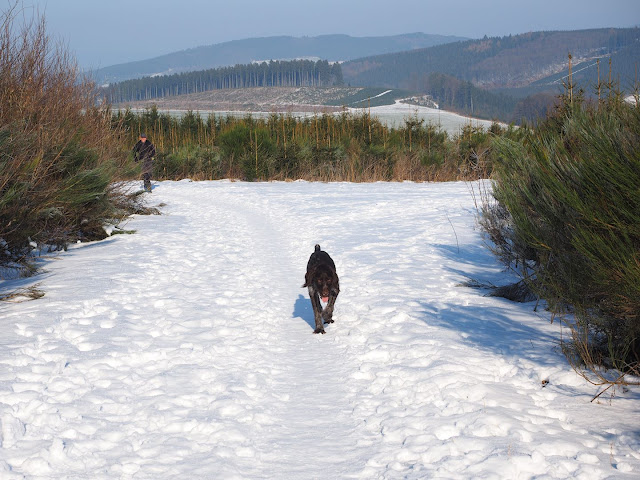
{"points": [[186, 350]]}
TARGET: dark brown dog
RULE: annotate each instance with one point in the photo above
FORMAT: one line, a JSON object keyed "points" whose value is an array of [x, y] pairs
{"points": [[322, 280]]}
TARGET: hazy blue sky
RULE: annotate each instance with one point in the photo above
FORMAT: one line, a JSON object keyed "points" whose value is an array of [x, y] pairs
{"points": [[105, 32]]}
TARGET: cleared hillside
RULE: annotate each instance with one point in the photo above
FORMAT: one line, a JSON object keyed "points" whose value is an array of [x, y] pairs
{"points": [[275, 99], [259, 99]]}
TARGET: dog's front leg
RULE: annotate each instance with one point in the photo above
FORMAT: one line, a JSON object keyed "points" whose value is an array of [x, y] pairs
{"points": [[317, 310], [327, 313]]}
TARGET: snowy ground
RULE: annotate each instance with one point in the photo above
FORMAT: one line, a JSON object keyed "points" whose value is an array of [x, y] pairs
{"points": [[395, 116], [186, 350]]}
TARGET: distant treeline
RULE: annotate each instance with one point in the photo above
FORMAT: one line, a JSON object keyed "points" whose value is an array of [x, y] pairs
{"points": [[462, 96], [296, 73]]}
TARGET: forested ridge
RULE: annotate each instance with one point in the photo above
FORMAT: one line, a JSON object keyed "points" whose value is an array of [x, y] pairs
{"points": [[496, 62], [511, 78], [295, 73]]}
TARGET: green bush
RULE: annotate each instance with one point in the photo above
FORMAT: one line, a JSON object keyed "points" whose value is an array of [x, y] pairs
{"points": [[190, 161], [568, 214]]}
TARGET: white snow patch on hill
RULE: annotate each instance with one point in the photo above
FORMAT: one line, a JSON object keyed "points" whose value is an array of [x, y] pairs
{"points": [[395, 116]]}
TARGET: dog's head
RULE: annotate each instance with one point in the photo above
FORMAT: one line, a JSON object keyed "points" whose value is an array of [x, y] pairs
{"points": [[325, 282]]}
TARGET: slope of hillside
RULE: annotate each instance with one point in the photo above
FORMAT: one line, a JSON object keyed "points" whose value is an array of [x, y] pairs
{"points": [[328, 47], [513, 61], [624, 70], [274, 99]]}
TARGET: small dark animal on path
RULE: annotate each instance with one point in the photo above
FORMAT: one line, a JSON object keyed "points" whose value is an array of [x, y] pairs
{"points": [[322, 280]]}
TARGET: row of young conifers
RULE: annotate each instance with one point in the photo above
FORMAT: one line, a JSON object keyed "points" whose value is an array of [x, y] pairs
{"points": [[564, 210], [324, 147]]}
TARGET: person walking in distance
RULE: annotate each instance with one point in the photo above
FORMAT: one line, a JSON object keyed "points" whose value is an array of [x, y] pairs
{"points": [[144, 151]]}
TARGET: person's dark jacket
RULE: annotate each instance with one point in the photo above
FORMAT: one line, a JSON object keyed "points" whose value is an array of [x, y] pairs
{"points": [[144, 152]]}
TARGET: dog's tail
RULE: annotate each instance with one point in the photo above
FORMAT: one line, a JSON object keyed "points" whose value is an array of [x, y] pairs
{"points": [[316, 250]]}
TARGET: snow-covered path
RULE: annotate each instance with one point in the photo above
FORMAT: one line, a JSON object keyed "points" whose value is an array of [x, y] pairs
{"points": [[186, 350]]}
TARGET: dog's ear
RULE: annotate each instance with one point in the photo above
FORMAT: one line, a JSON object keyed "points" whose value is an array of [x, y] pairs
{"points": [[307, 279]]}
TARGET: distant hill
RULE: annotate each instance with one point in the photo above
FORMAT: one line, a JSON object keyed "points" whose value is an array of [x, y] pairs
{"points": [[625, 70], [499, 62], [514, 66], [326, 47]]}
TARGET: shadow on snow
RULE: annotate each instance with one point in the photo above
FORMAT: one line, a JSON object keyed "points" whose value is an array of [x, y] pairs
{"points": [[302, 309]]}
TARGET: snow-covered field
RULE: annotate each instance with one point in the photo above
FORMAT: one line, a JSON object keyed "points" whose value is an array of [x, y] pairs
{"points": [[395, 116], [186, 351]]}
